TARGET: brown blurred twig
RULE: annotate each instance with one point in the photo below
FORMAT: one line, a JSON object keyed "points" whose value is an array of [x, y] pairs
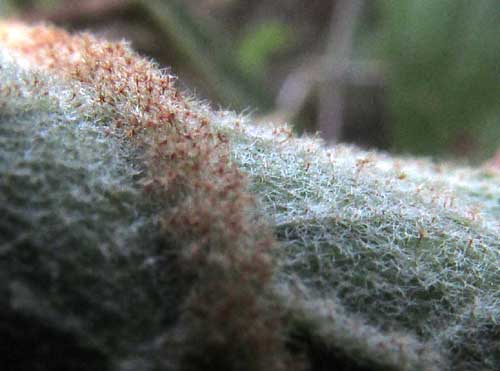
{"points": [[336, 66], [303, 81], [495, 161], [323, 79]]}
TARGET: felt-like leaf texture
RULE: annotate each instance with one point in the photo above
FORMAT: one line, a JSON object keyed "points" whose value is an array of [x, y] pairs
{"points": [[194, 196], [164, 235]]}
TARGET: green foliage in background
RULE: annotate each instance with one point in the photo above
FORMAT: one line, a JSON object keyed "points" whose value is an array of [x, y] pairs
{"points": [[444, 81], [260, 44], [8, 7]]}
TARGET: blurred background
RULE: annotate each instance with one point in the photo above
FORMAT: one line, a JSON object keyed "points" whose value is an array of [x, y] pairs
{"points": [[413, 77]]}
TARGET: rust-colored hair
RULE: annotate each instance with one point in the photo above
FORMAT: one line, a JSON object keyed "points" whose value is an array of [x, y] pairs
{"points": [[230, 314]]}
